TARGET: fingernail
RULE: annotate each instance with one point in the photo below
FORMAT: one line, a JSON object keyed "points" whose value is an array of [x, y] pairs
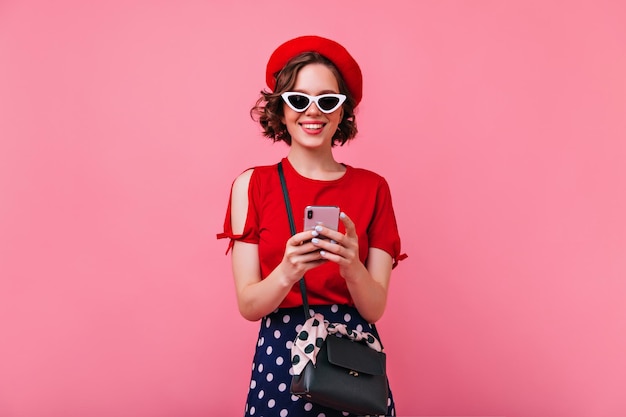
{"points": [[332, 241], [314, 233], [342, 215], [318, 228], [323, 252], [315, 241]]}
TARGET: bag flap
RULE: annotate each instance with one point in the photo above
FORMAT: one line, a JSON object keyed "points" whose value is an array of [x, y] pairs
{"points": [[355, 356]]}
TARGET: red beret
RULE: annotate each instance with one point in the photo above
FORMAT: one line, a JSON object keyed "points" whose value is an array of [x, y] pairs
{"points": [[337, 54]]}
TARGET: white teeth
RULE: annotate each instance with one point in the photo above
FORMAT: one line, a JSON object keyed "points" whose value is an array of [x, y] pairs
{"points": [[312, 126]]}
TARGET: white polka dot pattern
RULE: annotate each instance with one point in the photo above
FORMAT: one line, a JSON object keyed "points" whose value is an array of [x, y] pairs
{"points": [[269, 393]]}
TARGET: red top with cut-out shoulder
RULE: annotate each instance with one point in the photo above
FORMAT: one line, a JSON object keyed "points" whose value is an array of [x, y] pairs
{"points": [[363, 195]]}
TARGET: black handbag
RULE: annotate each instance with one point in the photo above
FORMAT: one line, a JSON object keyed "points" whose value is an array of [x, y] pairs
{"points": [[347, 376]]}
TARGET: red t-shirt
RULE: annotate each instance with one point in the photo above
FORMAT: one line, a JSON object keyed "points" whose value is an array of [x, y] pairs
{"points": [[363, 195]]}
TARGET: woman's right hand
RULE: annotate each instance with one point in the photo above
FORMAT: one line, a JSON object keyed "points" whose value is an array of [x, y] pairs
{"points": [[300, 256]]}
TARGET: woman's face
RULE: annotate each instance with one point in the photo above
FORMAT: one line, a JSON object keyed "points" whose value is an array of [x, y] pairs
{"points": [[312, 128]]}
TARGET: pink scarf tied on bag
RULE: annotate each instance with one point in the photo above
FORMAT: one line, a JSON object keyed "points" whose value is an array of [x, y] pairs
{"points": [[312, 336]]}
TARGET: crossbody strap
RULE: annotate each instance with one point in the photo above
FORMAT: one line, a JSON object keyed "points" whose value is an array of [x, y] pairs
{"points": [[292, 226]]}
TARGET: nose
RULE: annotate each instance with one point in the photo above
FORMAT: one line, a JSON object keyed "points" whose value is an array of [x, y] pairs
{"points": [[313, 109]]}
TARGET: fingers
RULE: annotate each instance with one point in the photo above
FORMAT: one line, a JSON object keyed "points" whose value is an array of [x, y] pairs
{"points": [[335, 235], [300, 238], [329, 247], [349, 225], [295, 265], [344, 253], [301, 252]]}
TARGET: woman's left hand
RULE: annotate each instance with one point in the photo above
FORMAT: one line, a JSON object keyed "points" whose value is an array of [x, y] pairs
{"points": [[343, 249]]}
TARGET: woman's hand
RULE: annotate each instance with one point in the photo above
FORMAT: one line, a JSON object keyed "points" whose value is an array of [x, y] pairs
{"points": [[367, 284], [301, 255], [343, 249]]}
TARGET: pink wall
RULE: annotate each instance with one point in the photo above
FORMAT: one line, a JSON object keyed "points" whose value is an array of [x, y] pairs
{"points": [[500, 126]]}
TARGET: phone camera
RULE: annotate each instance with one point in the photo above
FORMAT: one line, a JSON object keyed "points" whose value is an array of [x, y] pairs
{"points": [[309, 214]]}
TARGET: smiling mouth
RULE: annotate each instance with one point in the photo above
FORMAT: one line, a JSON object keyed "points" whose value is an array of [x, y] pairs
{"points": [[312, 126]]}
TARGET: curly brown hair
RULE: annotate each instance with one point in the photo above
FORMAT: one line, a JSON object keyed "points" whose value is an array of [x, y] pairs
{"points": [[268, 110]]}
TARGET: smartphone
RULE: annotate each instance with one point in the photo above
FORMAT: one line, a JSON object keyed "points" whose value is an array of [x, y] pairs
{"points": [[327, 216]]}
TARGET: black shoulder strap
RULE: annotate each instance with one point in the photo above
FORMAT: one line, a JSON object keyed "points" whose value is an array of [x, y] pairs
{"points": [[292, 226]]}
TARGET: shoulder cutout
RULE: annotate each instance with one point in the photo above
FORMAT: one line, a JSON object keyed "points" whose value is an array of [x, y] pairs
{"points": [[239, 201]]}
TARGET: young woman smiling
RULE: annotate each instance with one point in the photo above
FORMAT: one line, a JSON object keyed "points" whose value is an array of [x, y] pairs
{"points": [[315, 85]]}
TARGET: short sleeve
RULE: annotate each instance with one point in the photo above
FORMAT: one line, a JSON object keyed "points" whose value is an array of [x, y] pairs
{"points": [[250, 232], [383, 229]]}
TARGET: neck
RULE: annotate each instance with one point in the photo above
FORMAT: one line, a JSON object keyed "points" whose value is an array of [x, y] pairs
{"points": [[315, 165]]}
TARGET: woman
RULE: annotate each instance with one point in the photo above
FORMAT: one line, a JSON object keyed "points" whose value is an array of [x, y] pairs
{"points": [[315, 86]]}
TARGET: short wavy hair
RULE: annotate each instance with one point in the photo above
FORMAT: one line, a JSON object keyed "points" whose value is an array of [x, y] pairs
{"points": [[268, 110]]}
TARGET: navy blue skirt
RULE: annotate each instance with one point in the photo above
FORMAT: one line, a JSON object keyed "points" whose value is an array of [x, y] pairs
{"points": [[269, 394]]}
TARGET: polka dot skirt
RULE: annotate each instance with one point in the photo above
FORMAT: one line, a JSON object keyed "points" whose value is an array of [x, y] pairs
{"points": [[269, 394]]}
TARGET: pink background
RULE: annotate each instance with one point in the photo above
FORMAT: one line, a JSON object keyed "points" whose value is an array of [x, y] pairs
{"points": [[500, 126]]}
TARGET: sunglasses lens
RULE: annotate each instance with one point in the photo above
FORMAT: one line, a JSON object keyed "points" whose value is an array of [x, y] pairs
{"points": [[298, 101], [328, 103]]}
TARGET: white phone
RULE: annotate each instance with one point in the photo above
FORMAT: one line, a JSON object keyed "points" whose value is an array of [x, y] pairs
{"points": [[327, 216]]}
